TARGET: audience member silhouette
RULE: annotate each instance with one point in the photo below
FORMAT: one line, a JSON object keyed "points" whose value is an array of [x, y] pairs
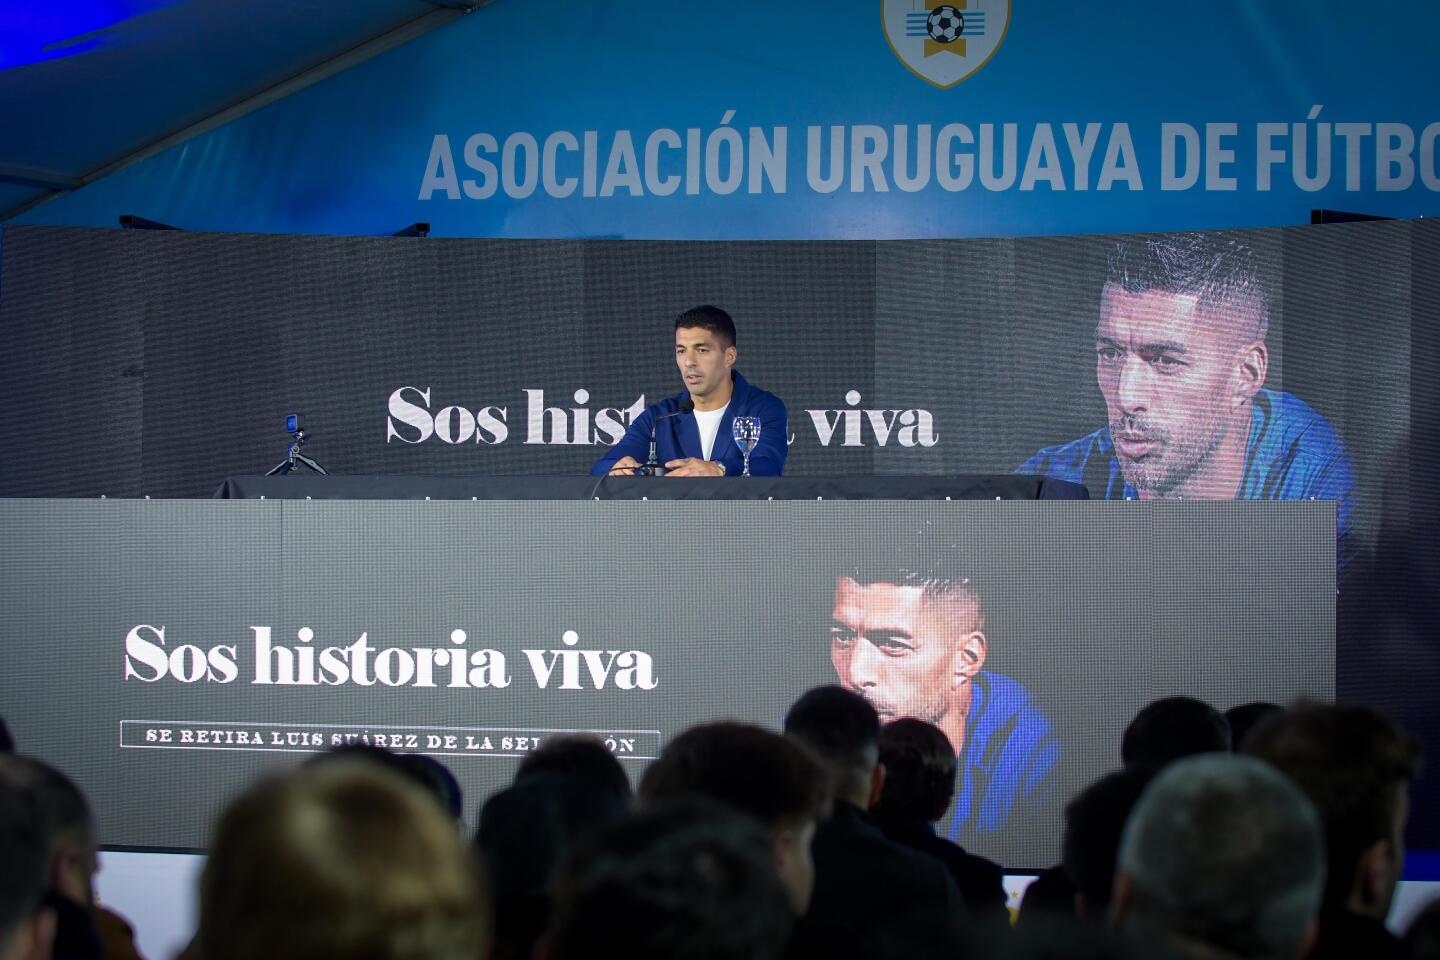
{"points": [[1163, 731], [342, 859], [1356, 766], [689, 879], [748, 844], [1246, 717], [425, 772], [1170, 728], [920, 770], [759, 773], [580, 756], [1072, 942], [1078, 890], [1223, 857], [526, 832], [1049, 900], [68, 831], [1094, 825], [27, 926], [873, 898]]}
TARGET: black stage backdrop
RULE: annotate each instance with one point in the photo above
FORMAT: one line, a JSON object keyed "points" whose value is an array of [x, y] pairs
{"points": [[131, 631], [144, 363]]}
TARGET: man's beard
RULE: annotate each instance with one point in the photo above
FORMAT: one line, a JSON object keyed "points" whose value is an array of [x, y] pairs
{"points": [[932, 708], [1178, 460]]}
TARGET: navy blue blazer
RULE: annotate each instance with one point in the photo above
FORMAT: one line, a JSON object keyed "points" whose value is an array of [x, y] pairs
{"points": [[680, 436]]}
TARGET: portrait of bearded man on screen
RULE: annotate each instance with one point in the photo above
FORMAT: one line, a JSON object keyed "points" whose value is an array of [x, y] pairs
{"points": [[910, 637], [1181, 361]]}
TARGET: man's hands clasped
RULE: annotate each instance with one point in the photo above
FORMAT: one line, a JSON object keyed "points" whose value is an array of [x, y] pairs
{"points": [[684, 467], [693, 467]]}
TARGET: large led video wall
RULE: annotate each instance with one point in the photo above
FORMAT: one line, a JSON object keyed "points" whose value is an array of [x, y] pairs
{"points": [[165, 653], [1280, 364]]}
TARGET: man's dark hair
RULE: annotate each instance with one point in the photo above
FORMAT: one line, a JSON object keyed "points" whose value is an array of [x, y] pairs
{"points": [[438, 780], [1246, 717], [24, 861], [710, 318], [425, 772], [840, 726], [919, 770], [773, 779], [64, 813], [529, 828], [580, 756], [526, 832], [1171, 728], [1220, 270], [938, 566], [690, 879], [1094, 824], [1350, 761]]}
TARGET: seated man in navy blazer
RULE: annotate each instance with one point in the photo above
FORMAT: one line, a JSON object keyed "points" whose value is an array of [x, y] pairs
{"points": [[693, 430]]}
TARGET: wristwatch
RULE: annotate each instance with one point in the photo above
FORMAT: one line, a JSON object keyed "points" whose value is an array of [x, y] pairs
{"points": [[721, 465]]}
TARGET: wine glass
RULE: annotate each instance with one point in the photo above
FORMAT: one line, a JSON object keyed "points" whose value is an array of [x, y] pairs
{"points": [[746, 431]]}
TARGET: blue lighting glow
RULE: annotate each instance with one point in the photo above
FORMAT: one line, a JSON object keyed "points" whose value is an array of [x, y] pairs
{"points": [[32, 31]]}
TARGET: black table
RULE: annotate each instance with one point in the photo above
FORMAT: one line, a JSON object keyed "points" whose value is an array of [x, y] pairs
{"points": [[300, 486]]}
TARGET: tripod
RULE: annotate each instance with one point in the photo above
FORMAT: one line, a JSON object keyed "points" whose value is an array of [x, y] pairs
{"points": [[294, 458]]}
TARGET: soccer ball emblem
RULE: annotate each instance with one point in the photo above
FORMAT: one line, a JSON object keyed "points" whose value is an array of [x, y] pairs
{"points": [[944, 24]]}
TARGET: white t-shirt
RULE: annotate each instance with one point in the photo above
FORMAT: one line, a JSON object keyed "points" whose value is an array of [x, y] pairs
{"points": [[709, 423]]}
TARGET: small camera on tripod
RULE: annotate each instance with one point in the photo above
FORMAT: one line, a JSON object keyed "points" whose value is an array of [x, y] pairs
{"points": [[293, 457]]}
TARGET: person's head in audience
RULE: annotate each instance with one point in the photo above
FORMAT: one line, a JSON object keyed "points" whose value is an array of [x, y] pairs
{"points": [[909, 637], [843, 730], [1422, 936], [919, 764], [765, 775], [691, 878], [340, 860], [27, 929], [66, 821], [1222, 854], [1171, 728], [427, 773], [1246, 717], [583, 757], [438, 780], [526, 832], [1356, 765], [1094, 823]]}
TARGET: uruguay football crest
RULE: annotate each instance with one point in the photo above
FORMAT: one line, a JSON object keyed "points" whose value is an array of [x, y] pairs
{"points": [[945, 41]]}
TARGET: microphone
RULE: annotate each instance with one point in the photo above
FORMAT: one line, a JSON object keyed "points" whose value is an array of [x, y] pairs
{"points": [[651, 467]]}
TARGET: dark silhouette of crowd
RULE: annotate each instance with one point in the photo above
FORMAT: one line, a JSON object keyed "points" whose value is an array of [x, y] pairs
{"points": [[1265, 832]]}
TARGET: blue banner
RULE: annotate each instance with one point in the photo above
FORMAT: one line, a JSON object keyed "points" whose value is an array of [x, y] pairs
{"points": [[806, 120]]}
